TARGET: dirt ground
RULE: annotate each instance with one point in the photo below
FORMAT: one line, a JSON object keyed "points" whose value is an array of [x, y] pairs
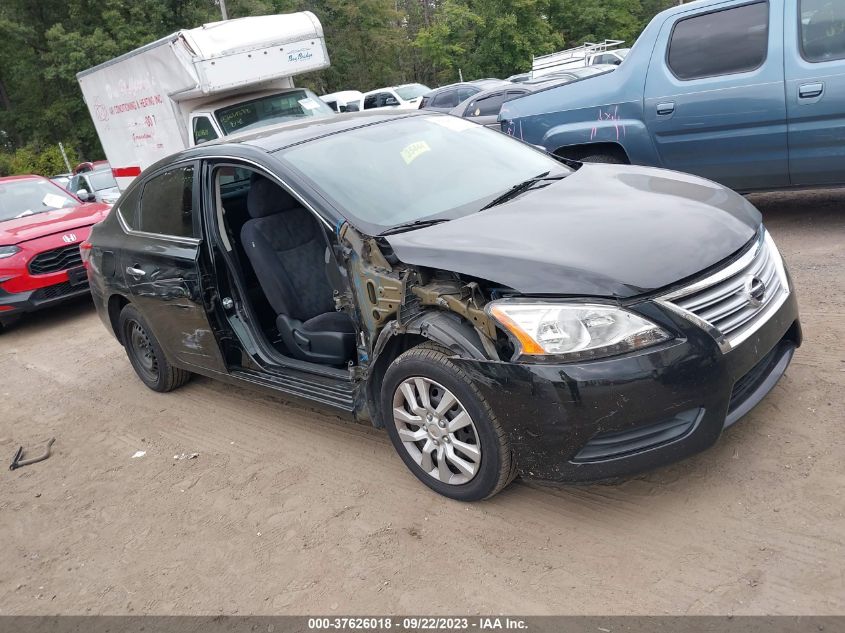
{"points": [[289, 510]]}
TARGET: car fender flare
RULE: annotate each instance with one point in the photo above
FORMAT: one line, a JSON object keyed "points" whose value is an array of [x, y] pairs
{"points": [[445, 328], [630, 134]]}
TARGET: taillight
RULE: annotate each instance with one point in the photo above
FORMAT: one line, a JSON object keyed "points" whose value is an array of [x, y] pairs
{"points": [[85, 252]]}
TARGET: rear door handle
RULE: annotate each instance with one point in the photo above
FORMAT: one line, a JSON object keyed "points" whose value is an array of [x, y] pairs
{"points": [[809, 91], [137, 273], [665, 108]]}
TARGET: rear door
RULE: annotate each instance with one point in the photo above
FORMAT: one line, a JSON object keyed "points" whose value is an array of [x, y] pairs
{"points": [[714, 99], [161, 264], [815, 91]]}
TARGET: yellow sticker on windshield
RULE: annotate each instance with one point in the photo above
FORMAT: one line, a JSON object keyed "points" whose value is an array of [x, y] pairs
{"points": [[413, 150]]}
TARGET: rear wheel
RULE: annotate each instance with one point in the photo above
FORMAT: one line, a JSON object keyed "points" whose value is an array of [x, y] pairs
{"points": [[443, 428], [145, 353]]}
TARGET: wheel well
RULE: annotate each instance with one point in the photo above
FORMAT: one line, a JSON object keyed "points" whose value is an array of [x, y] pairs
{"points": [[577, 152], [395, 346], [116, 304]]}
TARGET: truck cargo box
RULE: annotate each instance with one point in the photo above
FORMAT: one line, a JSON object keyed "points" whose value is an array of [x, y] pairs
{"points": [[141, 101]]}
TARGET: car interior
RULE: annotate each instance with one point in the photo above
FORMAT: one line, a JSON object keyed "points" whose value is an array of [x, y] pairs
{"points": [[279, 251]]}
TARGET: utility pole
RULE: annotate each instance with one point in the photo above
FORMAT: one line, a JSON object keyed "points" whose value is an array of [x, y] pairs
{"points": [[64, 156], [223, 12]]}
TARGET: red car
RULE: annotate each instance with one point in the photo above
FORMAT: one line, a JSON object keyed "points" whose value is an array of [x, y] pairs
{"points": [[41, 227]]}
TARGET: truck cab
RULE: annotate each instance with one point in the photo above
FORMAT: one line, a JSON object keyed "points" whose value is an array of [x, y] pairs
{"points": [[248, 112], [202, 83], [749, 94]]}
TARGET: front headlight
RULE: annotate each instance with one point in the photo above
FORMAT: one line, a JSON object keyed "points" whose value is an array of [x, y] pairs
{"points": [[574, 331], [8, 251]]}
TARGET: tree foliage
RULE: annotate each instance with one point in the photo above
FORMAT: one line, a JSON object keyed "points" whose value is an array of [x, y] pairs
{"points": [[371, 43]]}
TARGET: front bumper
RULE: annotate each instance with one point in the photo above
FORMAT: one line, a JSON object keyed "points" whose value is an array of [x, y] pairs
{"points": [[62, 289], [615, 417]]}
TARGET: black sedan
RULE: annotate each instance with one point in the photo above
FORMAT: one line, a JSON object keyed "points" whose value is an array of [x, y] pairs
{"points": [[497, 310]]}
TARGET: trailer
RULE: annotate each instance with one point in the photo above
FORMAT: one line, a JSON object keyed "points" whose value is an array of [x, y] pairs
{"points": [[199, 84]]}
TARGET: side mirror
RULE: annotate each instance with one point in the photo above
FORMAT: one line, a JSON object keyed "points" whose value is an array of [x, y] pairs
{"points": [[85, 196]]}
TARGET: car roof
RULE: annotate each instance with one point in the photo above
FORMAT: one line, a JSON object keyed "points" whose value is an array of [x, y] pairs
{"points": [[480, 83], [413, 83], [525, 87], [342, 94], [276, 137]]}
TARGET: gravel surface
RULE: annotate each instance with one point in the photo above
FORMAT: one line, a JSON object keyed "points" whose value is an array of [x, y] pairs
{"points": [[289, 510]]}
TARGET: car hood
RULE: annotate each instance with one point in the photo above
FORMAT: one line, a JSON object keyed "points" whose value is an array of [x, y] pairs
{"points": [[604, 230], [38, 225]]}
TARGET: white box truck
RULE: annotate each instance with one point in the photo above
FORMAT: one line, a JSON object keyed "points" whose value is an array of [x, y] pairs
{"points": [[203, 83]]}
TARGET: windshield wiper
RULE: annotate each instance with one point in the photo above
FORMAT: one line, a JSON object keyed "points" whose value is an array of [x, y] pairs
{"points": [[410, 226], [518, 188]]}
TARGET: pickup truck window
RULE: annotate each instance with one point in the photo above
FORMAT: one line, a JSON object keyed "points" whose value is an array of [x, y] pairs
{"points": [[822, 30], [203, 130], [167, 204], [720, 42]]}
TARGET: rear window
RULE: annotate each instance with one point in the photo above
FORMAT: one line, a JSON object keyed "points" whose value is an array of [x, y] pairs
{"points": [[822, 30], [446, 99], [167, 204], [485, 106], [720, 43]]}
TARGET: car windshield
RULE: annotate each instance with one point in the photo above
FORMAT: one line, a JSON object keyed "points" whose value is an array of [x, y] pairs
{"points": [[411, 91], [277, 108], [101, 180], [415, 168], [26, 197]]}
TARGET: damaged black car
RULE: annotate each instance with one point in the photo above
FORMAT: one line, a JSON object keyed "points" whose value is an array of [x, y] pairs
{"points": [[499, 311]]}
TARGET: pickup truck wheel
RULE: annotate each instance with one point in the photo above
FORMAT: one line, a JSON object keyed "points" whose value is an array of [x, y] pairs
{"points": [[145, 353], [602, 158], [442, 427]]}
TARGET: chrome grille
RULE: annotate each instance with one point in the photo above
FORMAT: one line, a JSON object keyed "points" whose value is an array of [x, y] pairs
{"points": [[734, 302]]}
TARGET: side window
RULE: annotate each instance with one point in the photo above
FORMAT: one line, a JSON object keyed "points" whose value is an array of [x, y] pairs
{"points": [[203, 130], [332, 105], [486, 106], [370, 102], [466, 93], [513, 94], [720, 43], [446, 99], [387, 99], [167, 204], [84, 184], [127, 206], [822, 30]]}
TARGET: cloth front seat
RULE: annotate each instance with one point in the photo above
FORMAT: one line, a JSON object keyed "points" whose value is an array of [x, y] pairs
{"points": [[287, 250]]}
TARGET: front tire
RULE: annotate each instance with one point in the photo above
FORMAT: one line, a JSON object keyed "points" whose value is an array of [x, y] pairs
{"points": [[145, 353], [443, 428]]}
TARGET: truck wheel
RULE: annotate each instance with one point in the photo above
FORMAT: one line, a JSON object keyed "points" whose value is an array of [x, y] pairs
{"points": [[602, 158], [145, 353], [442, 427]]}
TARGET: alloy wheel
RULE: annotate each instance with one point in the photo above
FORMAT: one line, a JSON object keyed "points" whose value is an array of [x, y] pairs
{"points": [[436, 430]]}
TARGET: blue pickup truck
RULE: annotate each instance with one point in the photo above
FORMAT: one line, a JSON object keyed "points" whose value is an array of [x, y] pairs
{"points": [[748, 93]]}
